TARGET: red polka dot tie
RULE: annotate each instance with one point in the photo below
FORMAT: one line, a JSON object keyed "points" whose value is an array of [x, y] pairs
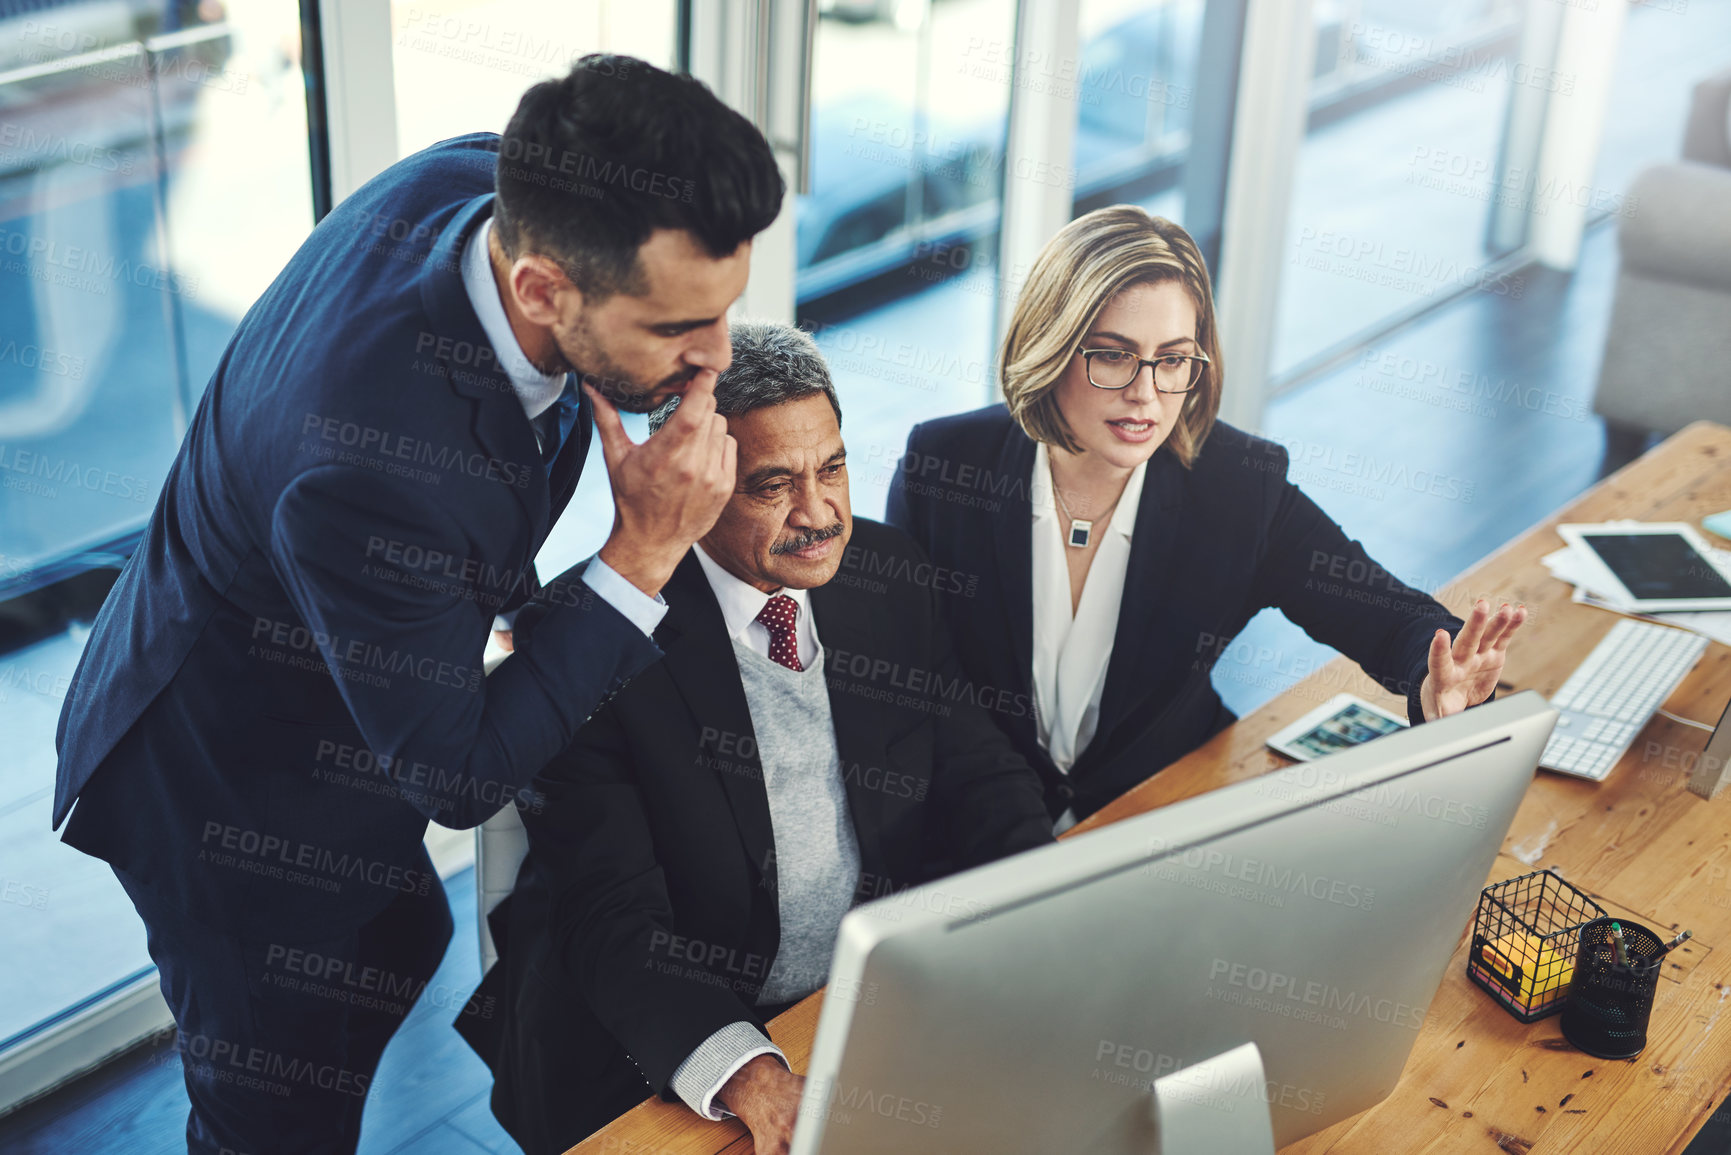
{"points": [[778, 616]]}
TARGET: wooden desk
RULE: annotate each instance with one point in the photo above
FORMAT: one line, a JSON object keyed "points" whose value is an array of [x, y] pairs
{"points": [[1479, 1082]]}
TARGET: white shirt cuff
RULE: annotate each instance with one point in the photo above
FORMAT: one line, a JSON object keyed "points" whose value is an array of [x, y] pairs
{"points": [[716, 1060], [644, 611]]}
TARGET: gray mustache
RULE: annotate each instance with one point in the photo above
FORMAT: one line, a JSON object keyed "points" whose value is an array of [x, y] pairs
{"points": [[807, 539]]}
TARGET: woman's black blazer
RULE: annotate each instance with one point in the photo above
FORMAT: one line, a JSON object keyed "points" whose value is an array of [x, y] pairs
{"points": [[1213, 544]]}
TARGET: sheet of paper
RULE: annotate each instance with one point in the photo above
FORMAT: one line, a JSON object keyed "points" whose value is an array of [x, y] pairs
{"points": [[1714, 624], [1565, 565]]}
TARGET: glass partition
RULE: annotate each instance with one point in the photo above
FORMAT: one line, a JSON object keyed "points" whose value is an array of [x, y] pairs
{"points": [[1398, 166], [1136, 93], [153, 179], [897, 241]]}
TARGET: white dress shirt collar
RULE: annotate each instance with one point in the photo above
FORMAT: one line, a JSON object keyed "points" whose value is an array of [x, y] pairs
{"points": [[535, 390], [741, 602]]}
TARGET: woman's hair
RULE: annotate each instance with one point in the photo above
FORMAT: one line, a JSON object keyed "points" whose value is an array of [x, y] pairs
{"points": [[1083, 267]]}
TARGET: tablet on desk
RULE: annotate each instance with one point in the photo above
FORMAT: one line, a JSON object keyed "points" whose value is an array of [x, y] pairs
{"points": [[1655, 566], [1342, 722]]}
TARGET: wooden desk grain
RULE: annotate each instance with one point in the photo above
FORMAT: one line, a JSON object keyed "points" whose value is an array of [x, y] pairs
{"points": [[1477, 1081]]}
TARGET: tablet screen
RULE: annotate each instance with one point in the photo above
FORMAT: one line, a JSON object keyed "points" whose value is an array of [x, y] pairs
{"points": [[1658, 565], [1349, 726]]}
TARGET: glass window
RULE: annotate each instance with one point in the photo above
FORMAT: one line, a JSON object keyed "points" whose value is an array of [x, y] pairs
{"points": [[1396, 171], [897, 241], [462, 67], [1667, 47], [153, 179], [1136, 91]]}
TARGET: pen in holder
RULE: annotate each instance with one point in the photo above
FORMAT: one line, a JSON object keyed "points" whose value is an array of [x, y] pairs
{"points": [[1609, 1000]]}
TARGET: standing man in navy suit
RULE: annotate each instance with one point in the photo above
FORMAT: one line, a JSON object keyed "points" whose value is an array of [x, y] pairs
{"points": [[285, 684]]}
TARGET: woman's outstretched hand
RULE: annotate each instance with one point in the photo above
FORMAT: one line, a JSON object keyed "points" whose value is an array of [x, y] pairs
{"points": [[1465, 672]]}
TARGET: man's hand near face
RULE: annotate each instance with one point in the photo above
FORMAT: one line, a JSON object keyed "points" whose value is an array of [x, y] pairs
{"points": [[765, 1095], [668, 491]]}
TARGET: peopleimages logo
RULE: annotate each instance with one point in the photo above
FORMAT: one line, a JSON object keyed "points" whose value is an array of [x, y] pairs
{"points": [[356, 657], [209, 1058], [36, 146], [416, 782], [831, 1101], [40, 255], [276, 857], [383, 443], [909, 570], [39, 468], [881, 679], [1283, 993], [523, 157], [1392, 798], [1261, 873], [1139, 1068]]}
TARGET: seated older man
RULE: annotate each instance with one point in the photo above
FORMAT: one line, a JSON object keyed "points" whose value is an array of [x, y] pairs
{"points": [[807, 743]]}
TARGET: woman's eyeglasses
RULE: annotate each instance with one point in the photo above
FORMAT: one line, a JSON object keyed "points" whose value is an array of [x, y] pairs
{"points": [[1116, 368]]}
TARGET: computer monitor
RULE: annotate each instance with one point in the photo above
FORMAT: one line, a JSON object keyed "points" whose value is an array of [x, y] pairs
{"points": [[1029, 1005]]}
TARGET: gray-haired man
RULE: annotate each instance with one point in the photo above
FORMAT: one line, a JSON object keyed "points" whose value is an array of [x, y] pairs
{"points": [[808, 742]]}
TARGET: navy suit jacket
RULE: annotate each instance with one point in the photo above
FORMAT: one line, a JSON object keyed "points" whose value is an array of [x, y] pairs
{"points": [[1213, 544], [285, 683]]}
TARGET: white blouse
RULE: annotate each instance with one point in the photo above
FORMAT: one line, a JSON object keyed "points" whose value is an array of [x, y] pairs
{"points": [[1071, 652]]}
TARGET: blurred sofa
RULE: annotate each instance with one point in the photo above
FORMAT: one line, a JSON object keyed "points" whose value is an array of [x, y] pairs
{"points": [[1668, 351]]}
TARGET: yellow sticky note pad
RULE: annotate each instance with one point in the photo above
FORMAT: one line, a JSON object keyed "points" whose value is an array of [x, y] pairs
{"points": [[1526, 966]]}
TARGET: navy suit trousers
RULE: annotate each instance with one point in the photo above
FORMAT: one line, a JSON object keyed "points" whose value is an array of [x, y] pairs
{"points": [[279, 1041]]}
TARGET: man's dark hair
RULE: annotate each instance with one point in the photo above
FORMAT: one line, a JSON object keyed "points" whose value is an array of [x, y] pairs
{"points": [[591, 164]]}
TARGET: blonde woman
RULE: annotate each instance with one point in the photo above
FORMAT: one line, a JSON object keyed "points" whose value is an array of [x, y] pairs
{"points": [[1121, 535]]}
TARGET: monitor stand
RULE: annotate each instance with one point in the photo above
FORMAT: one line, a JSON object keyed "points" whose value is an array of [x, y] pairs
{"points": [[1215, 1107]]}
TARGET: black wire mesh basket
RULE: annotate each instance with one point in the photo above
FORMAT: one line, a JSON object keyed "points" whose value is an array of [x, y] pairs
{"points": [[1526, 933]]}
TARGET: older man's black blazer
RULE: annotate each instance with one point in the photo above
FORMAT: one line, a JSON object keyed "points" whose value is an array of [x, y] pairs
{"points": [[1213, 544], [645, 917]]}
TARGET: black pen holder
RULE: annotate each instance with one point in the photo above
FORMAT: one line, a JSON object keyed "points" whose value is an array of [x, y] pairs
{"points": [[1610, 1001]]}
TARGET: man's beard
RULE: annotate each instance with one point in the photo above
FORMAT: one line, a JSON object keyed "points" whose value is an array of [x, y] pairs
{"points": [[628, 396], [601, 373], [807, 539]]}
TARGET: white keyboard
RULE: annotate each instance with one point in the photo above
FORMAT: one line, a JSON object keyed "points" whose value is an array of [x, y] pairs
{"points": [[1610, 696]]}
